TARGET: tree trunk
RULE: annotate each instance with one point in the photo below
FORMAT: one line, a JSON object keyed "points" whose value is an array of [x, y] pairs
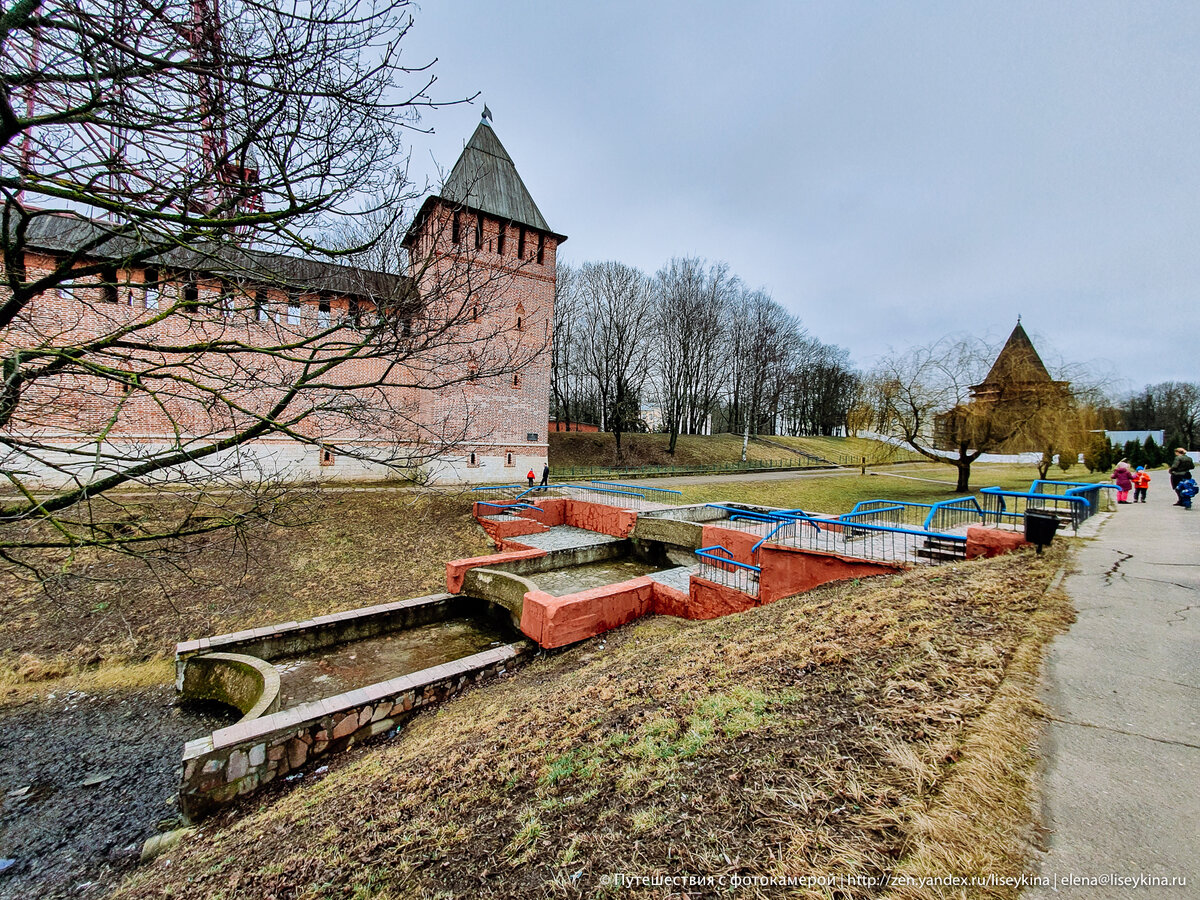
{"points": [[964, 476]]}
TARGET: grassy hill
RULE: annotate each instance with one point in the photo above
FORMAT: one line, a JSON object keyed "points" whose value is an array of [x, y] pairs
{"points": [[852, 731], [572, 449]]}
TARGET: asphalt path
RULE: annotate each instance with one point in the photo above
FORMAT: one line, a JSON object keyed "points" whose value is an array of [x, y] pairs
{"points": [[1121, 792]]}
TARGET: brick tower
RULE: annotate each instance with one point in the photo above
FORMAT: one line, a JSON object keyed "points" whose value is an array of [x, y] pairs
{"points": [[483, 255]]}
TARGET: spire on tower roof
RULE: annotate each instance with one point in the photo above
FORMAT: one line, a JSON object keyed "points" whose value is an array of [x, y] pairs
{"points": [[1018, 361], [485, 179]]}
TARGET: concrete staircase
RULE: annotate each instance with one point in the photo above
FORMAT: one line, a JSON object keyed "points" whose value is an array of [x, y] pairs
{"points": [[942, 550]]}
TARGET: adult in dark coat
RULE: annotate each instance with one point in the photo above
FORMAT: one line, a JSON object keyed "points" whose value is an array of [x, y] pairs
{"points": [[1180, 470]]}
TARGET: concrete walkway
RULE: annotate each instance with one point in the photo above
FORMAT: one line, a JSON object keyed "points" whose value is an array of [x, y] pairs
{"points": [[1122, 752]]}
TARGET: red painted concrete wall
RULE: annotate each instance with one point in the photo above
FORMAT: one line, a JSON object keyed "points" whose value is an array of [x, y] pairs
{"points": [[600, 517], [708, 600], [989, 542], [670, 602], [558, 621], [554, 510], [786, 571], [739, 543], [457, 568]]}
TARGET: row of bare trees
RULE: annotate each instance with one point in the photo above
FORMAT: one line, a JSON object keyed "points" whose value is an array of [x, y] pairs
{"points": [[1172, 406], [694, 348]]}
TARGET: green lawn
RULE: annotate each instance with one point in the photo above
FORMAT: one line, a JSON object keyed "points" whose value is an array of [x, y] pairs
{"points": [[838, 493]]}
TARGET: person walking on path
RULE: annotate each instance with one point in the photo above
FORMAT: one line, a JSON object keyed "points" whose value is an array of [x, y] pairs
{"points": [[1141, 483], [1187, 490], [530, 477], [1124, 479], [1181, 468], [545, 476]]}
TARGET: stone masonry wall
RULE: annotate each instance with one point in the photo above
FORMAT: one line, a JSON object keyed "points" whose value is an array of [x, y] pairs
{"points": [[235, 761]]}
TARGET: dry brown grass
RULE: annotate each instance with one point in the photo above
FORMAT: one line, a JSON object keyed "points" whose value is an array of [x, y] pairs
{"points": [[356, 549], [847, 732], [32, 679]]}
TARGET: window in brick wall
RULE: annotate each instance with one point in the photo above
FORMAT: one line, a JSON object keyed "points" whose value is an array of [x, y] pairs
{"points": [[501, 229], [474, 460], [521, 243], [151, 290], [323, 313], [327, 458], [353, 310], [293, 313], [260, 305], [479, 231], [66, 289], [520, 324], [456, 229], [508, 460], [191, 291], [226, 300], [541, 257], [108, 284], [516, 381]]}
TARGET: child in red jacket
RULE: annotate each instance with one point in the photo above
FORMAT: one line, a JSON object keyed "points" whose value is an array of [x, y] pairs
{"points": [[1141, 481]]}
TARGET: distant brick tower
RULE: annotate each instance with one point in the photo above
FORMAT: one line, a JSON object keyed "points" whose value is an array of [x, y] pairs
{"points": [[481, 252]]}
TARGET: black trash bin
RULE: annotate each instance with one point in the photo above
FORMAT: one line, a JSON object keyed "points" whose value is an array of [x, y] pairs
{"points": [[1040, 527]]}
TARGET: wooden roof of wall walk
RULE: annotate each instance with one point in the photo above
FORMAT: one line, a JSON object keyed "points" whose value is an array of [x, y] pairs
{"points": [[485, 180], [59, 233]]}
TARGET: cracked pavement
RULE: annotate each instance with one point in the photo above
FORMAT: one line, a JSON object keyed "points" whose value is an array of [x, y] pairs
{"points": [[1121, 752]]}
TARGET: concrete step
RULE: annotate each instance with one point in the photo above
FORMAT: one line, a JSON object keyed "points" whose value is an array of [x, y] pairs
{"points": [[939, 554]]}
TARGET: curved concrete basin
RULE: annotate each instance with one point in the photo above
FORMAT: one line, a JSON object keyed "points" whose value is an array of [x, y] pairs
{"points": [[499, 587], [244, 682]]}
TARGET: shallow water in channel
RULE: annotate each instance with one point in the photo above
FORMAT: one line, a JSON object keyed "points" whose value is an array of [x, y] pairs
{"points": [[347, 667]]}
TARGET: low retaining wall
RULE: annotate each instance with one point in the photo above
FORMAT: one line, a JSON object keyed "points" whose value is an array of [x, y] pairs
{"points": [[289, 638], [739, 543], [502, 588], [530, 561], [235, 761], [558, 621], [787, 571], [989, 542], [456, 569], [598, 517], [246, 683]]}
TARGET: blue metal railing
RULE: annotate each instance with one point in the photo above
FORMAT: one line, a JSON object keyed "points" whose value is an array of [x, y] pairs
{"points": [[664, 494], [997, 500], [946, 514], [872, 541], [510, 506], [727, 571], [914, 513], [710, 553]]}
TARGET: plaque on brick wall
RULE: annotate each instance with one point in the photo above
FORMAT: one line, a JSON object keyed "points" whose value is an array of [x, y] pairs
{"points": [[531, 436]]}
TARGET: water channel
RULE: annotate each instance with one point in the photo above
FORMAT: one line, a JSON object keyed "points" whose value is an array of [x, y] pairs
{"points": [[357, 664]]}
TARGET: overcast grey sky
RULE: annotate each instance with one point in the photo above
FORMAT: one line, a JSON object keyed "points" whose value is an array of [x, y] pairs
{"points": [[890, 172]]}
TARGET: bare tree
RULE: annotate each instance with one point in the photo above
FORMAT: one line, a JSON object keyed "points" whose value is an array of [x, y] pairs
{"points": [[164, 165], [690, 303], [615, 339], [564, 342], [1173, 406]]}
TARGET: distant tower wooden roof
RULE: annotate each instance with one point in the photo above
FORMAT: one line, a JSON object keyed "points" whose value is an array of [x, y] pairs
{"points": [[1018, 363]]}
